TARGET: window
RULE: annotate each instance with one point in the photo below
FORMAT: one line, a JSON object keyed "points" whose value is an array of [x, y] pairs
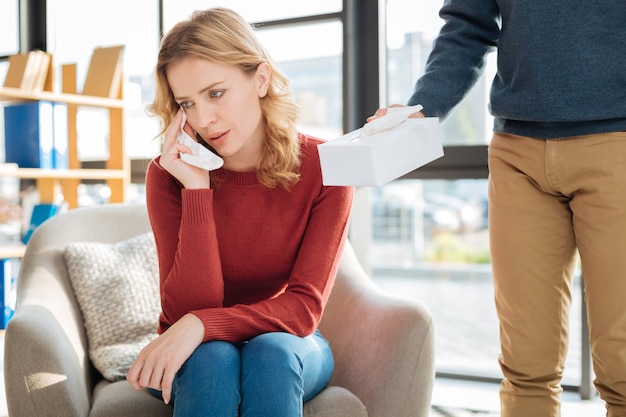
{"points": [[410, 31], [9, 27], [314, 70], [9, 33]]}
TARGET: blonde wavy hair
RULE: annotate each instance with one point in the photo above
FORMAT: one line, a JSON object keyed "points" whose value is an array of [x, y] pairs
{"points": [[222, 36]]}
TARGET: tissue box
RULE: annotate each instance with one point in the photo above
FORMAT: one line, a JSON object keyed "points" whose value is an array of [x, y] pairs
{"points": [[375, 160]]}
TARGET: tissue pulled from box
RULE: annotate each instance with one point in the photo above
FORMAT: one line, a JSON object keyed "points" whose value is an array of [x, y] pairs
{"points": [[391, 119]]}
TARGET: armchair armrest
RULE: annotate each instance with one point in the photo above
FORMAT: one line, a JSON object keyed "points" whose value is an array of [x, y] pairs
{"points": [[45, 378], [385, 344]]}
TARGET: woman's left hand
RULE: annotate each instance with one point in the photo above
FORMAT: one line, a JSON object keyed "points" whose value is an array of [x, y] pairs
{"points": [[159, 361]]}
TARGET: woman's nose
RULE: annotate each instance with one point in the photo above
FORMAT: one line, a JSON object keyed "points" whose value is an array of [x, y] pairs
{"points": [[206, 116]]}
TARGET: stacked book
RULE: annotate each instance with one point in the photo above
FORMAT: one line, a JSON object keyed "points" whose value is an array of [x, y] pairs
{"points": [[28, 71]]}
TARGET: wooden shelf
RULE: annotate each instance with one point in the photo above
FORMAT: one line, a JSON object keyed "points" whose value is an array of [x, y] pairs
{"points": [[12, 251], [15, 94], [86, 174]]}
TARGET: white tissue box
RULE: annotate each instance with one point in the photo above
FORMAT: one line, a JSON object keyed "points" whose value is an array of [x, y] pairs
{"points": [[375, 160]]}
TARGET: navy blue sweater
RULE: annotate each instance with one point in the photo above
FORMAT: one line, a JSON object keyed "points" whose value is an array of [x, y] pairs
{"points": [[561, 64]]}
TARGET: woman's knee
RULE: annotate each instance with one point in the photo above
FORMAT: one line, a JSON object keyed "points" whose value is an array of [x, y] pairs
{"points": [[296, 367], [271, 349], [213, 356], [208, 380]]}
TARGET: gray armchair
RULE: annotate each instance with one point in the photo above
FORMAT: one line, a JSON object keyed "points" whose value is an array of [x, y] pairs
{"points": [[383, 345]]}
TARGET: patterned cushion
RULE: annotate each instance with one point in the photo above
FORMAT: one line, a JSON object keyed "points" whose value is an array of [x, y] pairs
{"points": [[117, 288]]}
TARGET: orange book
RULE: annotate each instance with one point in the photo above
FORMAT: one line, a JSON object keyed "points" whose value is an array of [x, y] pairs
{"points": [[40, 71], [104, 75], [16, 71], [28, 71]]}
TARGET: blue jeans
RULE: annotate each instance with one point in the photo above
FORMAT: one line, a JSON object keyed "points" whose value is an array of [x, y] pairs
{"points": [[272, 374]]}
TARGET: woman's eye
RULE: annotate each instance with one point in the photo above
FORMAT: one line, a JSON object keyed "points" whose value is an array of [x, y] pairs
{"points": [[185, 104], [216, 93]]}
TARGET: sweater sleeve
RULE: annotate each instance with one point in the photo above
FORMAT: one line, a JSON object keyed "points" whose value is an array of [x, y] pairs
{"points": [[470, 31], [181, 219]]}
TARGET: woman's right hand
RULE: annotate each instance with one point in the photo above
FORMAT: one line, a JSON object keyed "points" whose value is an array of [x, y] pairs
{"points": [[189, 175], [158, 362]]}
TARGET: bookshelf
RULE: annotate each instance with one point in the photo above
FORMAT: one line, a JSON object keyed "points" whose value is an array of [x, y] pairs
{"points": [[52, 183], [15, 250]]}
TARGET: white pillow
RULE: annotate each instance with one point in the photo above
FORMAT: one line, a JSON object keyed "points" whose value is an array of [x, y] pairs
{"points": [[117, 288]]}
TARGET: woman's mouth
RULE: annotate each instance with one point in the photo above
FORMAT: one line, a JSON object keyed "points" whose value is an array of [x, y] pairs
{"points": [[217, 137]]}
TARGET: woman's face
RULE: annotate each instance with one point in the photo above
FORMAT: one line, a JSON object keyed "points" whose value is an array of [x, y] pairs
{"points": [[223, 105]]}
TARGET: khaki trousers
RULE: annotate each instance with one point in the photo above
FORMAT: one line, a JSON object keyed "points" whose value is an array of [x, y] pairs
{"points": [[548, 199]]}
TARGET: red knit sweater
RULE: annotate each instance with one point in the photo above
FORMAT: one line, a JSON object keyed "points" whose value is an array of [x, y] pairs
{"points": [[245, 258]]}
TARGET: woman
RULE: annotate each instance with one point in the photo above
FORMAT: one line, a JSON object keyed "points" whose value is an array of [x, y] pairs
{"points": [[248, 252]]}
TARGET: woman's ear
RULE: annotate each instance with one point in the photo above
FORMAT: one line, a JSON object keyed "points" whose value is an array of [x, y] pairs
{"points": [[262, 75]]}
